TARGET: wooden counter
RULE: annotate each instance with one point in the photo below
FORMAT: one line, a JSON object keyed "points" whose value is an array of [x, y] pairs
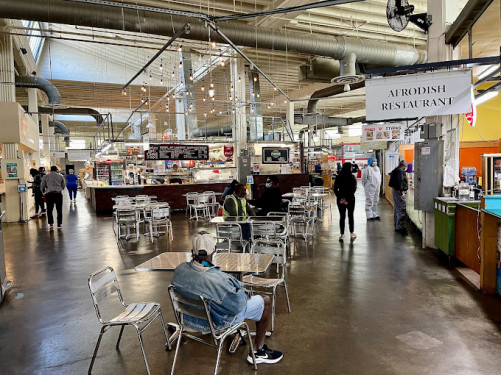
{"points": [[102, 203], [467, 242], [286, 183]]}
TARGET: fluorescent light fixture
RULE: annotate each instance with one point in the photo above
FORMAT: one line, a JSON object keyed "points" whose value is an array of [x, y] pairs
{"points": [[487, 72], [484, 97]]}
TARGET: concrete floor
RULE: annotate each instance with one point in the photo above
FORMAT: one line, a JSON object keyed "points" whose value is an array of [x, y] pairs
{"points": [[380, 305]]}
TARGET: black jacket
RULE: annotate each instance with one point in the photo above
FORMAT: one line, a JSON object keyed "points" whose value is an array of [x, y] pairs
{"points": [[398, 179], [345, 187], [271, 200]]}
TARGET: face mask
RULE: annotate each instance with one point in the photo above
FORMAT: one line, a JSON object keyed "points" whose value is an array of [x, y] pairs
{"points": [[374, 164], [268, 185]]}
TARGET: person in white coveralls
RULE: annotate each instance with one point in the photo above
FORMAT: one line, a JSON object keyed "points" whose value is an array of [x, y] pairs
{"points": [[371, 180]]}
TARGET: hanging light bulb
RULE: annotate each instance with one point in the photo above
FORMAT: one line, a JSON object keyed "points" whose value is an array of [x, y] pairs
{"points": [[203, 86], [213, 44], [205, 114], [161, 80], [203, 99], [258, 95], [212, 98], [211, 85], [181, 63], [239, 79], [255, 78], [172, 75], [180, 48], [124, 93], [274, 88], [191, 75], [150, 77], [161, 67]]}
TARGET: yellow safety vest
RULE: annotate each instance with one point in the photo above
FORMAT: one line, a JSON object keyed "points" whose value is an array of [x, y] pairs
{"points": [[243, 201]]}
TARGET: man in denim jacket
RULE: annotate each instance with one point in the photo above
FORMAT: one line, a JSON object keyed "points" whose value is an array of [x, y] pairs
{"points": [[227, 299]]}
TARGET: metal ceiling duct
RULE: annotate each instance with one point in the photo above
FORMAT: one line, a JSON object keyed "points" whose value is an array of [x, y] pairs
{"points": [[329, 91], [151, 22], [329, 122], [73, 112], [212, 131], [62, 129], [42, 84]]}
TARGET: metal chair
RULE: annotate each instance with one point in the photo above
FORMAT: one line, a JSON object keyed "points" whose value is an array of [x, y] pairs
{"points": [[160, 216], [233, 232], [212, 203], [203, 206], [191, 200], [126, 218], [222, 245], [197, 308], [277, 248], [103, 285], [299, 218]]}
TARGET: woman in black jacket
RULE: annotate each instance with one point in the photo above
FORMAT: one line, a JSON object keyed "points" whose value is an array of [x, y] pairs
{"points": [[345, 186]]}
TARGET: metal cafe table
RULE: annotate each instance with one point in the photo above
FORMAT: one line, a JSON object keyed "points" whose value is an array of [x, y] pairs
{"points": [[238, 263]]}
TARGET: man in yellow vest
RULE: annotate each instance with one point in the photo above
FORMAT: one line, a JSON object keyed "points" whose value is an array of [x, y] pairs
{"points": [[236, 204]]}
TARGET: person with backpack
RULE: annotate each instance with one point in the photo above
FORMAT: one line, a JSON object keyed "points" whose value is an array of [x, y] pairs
{"points": [[399, 186]]}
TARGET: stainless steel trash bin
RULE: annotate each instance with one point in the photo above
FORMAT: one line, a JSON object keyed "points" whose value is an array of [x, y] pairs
{"points": [[4, 283]]}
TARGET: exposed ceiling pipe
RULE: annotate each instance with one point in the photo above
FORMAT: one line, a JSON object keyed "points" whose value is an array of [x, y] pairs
{"points": [[42, 84], [62, 129], [212, 131], [329, 91], [155, 22], [331, 123], [73, 111]]}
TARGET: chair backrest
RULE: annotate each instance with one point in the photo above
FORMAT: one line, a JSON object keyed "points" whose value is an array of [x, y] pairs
{"points": [[191, 198], [275, 247], [211, 196], [142, 198], [196, 308], [126, 214], [262, 230], [223, 245], [160, 212], [296, 210], [233, 231], [202, 198], [103, 284]]}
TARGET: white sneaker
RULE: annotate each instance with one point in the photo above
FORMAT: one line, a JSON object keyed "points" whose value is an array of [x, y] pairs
{"points": [[59, 226], [51, 227], [341, 237], [353, 236]]}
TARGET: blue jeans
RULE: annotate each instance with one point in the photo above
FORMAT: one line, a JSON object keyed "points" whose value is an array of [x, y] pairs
{"points": [[72, 190]]}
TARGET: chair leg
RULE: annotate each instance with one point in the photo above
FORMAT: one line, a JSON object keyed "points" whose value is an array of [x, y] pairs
{"points": [[219, 349], [120, 336], [165, 330], [95, 349], [287, 296], [251, 346], [142, 350], [177, 350], [273, 302], [151, 230]]}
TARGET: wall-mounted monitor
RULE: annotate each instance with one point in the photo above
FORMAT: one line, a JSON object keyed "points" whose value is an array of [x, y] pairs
{"points": [[275, 155]]}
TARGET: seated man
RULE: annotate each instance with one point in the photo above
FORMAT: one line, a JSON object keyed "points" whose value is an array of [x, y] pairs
{"points": [[271, 199], [228, 301], [236, 204]]}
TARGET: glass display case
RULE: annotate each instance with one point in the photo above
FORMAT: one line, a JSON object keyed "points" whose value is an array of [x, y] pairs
{"points": [[109, 172], [491, 174]]}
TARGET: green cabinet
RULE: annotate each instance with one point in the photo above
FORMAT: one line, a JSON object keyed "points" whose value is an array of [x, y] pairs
{"points": [[445, 222]]}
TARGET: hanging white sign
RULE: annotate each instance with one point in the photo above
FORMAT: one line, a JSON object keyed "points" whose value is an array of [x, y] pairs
{"points": [[78, 155], [382, 133], [418, 95], [58, 154]]}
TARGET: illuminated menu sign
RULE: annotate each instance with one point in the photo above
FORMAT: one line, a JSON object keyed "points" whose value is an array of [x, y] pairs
{"points": [[272, 155], [176, 152]]}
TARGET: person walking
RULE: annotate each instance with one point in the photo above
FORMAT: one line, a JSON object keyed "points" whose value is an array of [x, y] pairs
{"points": [[399, 185], [345, 186], [72, 185], [53, 185], [371, 180], [37, 193]]}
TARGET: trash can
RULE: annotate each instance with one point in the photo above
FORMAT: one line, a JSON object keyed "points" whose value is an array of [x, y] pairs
{"points": [[4, 283]]}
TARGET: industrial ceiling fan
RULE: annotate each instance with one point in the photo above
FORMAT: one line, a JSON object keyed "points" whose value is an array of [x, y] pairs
{"points": [[399, 13]]}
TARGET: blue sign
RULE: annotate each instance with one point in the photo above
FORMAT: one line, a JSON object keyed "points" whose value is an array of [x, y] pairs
{"points": [[21, 188]]}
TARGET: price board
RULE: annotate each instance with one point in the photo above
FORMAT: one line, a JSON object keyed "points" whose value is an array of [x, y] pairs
{"points": [[177, 152]]}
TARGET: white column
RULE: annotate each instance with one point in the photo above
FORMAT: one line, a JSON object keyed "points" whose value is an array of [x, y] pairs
{"points": [[46, 140], [7, 72], [289, 117], [180, 120], [238, 78], [443, 13]]}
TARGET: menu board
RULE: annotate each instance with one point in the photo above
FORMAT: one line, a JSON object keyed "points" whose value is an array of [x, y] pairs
{"points": [[379, 133], [177, 152], [275, 155]]}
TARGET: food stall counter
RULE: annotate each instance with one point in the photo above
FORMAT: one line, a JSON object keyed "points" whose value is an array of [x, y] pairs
{"points": [[102, 203]]}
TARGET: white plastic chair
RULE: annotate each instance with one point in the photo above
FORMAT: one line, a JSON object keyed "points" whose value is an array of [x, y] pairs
{"points": [[103, 285]]}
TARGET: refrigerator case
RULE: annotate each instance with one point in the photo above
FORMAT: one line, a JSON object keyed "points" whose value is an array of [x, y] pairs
{"points": [[491, 174], [111, 173]]}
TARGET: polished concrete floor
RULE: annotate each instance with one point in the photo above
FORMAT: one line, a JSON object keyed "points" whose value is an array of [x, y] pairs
{"points": [[381, 305]]}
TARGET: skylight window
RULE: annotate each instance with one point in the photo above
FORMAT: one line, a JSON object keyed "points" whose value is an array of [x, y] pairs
{"points": [[34, 35]]}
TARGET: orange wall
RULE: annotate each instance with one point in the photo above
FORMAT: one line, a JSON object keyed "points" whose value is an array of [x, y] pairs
{"points": [[472, 157]]}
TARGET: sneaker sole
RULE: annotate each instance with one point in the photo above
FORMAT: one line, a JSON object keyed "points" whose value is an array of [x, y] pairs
{"points": [[264, 360]]}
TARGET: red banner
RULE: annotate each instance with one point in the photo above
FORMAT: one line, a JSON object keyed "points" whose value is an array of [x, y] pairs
{"points": [[228, 151]]}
